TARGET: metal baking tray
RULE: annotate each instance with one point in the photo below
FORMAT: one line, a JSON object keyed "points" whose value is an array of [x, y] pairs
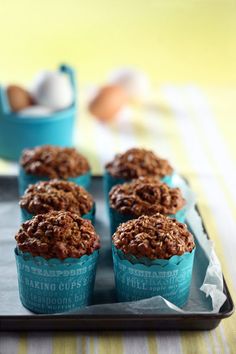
{"points": [[13, 316]]}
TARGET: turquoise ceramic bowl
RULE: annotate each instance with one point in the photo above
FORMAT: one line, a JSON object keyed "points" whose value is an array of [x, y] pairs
{"points": [[17, 133]]}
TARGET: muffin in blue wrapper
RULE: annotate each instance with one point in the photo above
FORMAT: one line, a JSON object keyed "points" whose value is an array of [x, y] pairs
{"points": [[55, 194], [56, 258], [153, 256], [46, 162], [136, 163], [144, 196]]}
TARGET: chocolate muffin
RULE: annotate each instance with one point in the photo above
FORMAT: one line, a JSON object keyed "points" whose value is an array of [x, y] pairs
{"points": [[46, 162], [54, 162], [146, 196], [136, 162], [56, 258], [42, 197], [154, 237], [57, 234], [153, 256]]}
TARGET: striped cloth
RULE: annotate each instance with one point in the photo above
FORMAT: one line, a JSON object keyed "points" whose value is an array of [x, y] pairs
{"points": [[194, 128]]}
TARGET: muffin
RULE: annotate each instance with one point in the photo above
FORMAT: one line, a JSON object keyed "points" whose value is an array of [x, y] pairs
{"points": [[153, 256], [46, 196], [144, 196], [48, 162], [135, 163], [56, 257]]}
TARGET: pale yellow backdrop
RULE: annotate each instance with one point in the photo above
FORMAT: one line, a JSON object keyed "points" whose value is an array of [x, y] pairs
{"points": [[173, 40]]}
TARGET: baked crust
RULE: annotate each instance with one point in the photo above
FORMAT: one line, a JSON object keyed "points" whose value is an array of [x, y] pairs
{"points": [[57, 234], [54, 162], [145, 196], [42, 197], [154, 237], [136, 162]]}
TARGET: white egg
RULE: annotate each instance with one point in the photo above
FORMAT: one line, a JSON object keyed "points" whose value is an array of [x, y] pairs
{"points": [[52, 90], [35, 111], [135, 82]]}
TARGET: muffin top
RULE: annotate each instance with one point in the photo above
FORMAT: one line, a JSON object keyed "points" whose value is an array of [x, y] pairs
{"points": [[136, 162], [57, 234], [43, 197], [154, 237], [145, 196], [54, 162]]}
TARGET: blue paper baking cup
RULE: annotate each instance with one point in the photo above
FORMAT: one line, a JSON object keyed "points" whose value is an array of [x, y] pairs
{"points": [[25, 215], [55, 286], [117, 218], [26, 179], [109, 181], [138, 279]]}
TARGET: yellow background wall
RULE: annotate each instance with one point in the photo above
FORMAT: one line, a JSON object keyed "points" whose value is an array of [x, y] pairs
{"points": [[173, 40]]}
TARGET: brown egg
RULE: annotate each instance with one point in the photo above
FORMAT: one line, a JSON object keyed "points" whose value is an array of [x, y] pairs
{"points": [[18, 98], [107, 103]]}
